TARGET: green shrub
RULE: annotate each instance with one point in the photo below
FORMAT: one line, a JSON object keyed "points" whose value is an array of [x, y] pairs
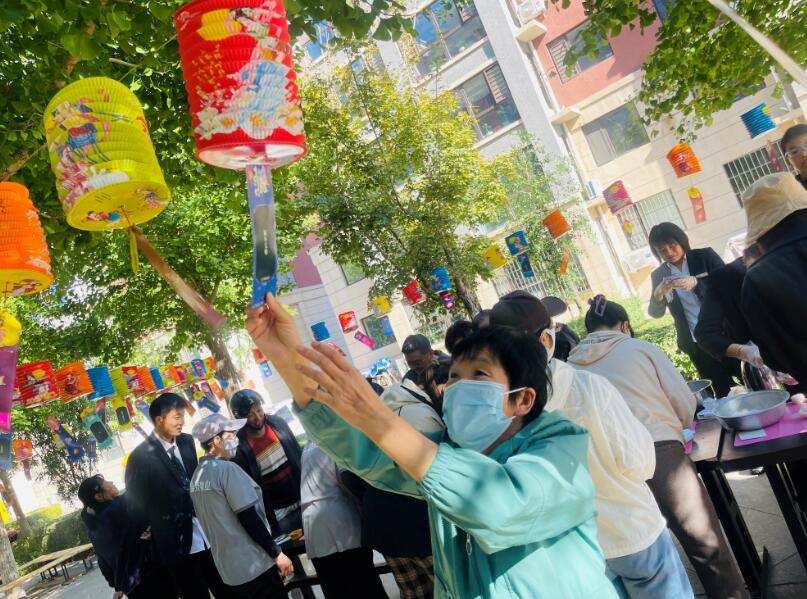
{"points": [[27, 549], [68, 531]]}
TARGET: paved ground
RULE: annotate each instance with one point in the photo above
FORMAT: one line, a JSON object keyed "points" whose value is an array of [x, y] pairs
{"points": [[788, 577]]}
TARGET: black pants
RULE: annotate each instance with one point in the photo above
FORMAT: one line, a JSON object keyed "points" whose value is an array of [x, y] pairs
{"points": [[156, 584], [349, 574], [714, 370], [268, 585], [195, 576]]}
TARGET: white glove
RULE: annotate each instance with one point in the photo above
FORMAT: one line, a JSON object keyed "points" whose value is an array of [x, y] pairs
{"points": [[750, 353], [685, 283]]}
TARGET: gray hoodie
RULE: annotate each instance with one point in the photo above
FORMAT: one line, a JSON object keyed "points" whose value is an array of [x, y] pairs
{"points": [[653, 388]]}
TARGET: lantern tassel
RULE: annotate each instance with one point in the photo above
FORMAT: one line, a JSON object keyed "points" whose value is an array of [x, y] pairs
{"points": [[135, 258]]}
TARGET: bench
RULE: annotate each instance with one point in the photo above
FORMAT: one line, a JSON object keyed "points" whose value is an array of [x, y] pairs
{"points": [[54, 562]]}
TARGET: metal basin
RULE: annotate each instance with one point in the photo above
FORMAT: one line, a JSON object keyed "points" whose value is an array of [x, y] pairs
{"points": [[750, 411], [700, 389]]}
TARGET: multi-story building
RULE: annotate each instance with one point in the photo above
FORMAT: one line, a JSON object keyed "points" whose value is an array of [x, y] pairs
{"points": [[504, 60]]}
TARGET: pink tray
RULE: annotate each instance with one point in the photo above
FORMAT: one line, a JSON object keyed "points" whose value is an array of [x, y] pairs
{"points": [[791, 424]]}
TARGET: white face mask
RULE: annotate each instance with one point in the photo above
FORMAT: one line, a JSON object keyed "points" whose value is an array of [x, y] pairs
{"points": [[550, 351], [230, 447]]}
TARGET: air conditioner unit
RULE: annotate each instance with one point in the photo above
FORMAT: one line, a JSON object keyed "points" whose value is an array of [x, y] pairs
{"points": [[640, 259], [530, 9], [593, 188]]}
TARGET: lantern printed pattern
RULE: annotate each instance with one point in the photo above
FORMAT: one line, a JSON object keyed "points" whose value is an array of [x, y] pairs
{"points": [[758, 120], [494, 257], [616, 196], [698, 208], [348, 322], [73, 381], [37, 383], [448, 300], [64, 438], [438, 278], [107, 174], [170, 376], [210, 366], [98, 429], [380, 306], [517, 243], [683, 160], [237, 62], [413, 292], [24, 258]]}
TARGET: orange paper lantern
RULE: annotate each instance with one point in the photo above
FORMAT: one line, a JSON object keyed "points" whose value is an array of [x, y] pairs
{"points": [[37, 383], [73, 382], [146, 380], [24, 258], [557, 224], [683, 160]]}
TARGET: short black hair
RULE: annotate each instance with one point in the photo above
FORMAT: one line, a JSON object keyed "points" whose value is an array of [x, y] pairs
{"points": [[416, 343], [164, 403], [458, 331], [206, 445], [481, 320], [665, 233], [794, 131], [521, 355], [603, 313]]}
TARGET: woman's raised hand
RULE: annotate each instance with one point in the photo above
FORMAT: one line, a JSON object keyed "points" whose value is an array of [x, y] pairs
{"points": [[273, 331]]}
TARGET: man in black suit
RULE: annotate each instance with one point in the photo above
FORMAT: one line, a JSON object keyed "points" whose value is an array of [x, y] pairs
{"points": [[158, 476]]}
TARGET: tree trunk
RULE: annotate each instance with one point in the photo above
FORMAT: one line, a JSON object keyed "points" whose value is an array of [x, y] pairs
{"points": [[467, 295], [225, 367], [22, 522], [8, 566]]}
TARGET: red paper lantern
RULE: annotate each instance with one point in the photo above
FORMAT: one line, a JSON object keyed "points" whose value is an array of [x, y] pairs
{"points": [[348, 321], [73, 382], [414, 293], [237, 62], [557, 224], [683, 160], [616, 196], [37, 383]]}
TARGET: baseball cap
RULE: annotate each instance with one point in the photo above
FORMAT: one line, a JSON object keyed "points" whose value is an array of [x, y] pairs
{"points": [[419, 343], [523, 311], [215, 424]]}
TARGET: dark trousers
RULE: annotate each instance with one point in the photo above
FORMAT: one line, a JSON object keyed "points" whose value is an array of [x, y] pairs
{"points": [[195, 576], [268, 585], [691, 517], [715, 370], [156, 584], [349, 574]]}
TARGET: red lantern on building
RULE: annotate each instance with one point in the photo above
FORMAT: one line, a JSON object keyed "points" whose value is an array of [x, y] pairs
{"points": [[616, 196], [683, 160], [348, 322], [242, 89], [414, 293]]}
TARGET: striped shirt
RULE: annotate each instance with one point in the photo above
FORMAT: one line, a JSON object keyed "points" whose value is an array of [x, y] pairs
{"points": [[278, 482]]}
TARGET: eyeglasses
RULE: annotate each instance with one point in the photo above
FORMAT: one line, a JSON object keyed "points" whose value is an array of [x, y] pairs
{"points": [[796, 151]]}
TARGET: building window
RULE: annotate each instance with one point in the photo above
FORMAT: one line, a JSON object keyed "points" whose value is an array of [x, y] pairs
{"points": [[374, 330], [637, 220], [615, 133], [572, 41], [352, 273], [745, 170], [443, 30], [663, 8], [486, 97], [316, 47], [545, 282]]}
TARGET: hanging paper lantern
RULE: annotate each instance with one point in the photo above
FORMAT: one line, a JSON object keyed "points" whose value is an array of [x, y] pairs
{"points": [[320, 331], [119, 381], [199, 368], [9, 336], [157, 378], [147, 383], [627, 225], [564, 262], [237, 62], [438, 278], [494, 257], [698, 209], [414, 293], [556, 224], [448, 300], [73, 381], [169, 375], [121, 409], [37, 383], [6, 454], [380, 306], [361, 337], [23, 452], [210, 365], [107, 174], [683, 160], [758, 120], [24, 257], [616, 196], [386, 326], [525, 266], [348, 322], [517, 243], [180, 374], [101, 382], [187, 370], [97, 427]]}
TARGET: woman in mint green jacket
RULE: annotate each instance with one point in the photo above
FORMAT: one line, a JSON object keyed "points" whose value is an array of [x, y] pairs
{"points": [[511, 503]]}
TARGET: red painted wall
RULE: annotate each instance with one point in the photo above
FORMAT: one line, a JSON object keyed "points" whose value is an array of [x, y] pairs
{"points": [[630, 50]]}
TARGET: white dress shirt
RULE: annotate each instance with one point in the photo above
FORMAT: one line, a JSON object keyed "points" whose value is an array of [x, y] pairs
{"points": [[689, 301], [199, 541]]}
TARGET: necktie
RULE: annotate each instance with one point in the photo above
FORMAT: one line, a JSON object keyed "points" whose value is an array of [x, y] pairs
{"points": [[183, 475]]}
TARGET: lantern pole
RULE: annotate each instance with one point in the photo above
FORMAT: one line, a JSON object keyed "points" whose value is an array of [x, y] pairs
{"points": [[767, 44]]}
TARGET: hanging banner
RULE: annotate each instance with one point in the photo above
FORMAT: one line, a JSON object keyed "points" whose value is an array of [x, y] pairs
{"points": [[266, 370], [199, 368], [380, 306], [556, 224], [122, 413], [99, 430], [210, 366], [517, 243], [348, 321], [189, 295], [6, 455], [616, 196], [698, 209], [494, 257], [23, 452], [448, 300], [386, 326], [8, 368], [365, 339], [414, 293], [526, 266], [264, 232], [439, 280], [564, 262], [65, 439]]}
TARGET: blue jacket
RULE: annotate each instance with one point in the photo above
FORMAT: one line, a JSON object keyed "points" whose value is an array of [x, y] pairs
{"points": [[518, 523]]}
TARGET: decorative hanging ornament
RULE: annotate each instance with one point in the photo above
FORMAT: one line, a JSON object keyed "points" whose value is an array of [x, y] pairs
{"points": [[121, 409], [210, 366], [157, 378], [98, 429], [107, 174], [526, 266], [616, 196], [348, 322], [170, 376], [37, 383], [627, 225], [698, 208], [320, 331], [199, 368], [448, 300], [438, 278], [758, 120], [380, 306], [564, 262], [386, 326], [187, 371], [73, 382], [414, 293], [119, 381], [683, 160], [23, 452], [9, 337], [261, 196], [6, 453], [24, 257], [361, 337], [517, 243], [101, 382], [237, 62], [556, 224], [494, 257], [64, 438], [147, 383]]}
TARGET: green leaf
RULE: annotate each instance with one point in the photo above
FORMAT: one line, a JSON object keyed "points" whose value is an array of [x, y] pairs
{"points": [[80, 45]]}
